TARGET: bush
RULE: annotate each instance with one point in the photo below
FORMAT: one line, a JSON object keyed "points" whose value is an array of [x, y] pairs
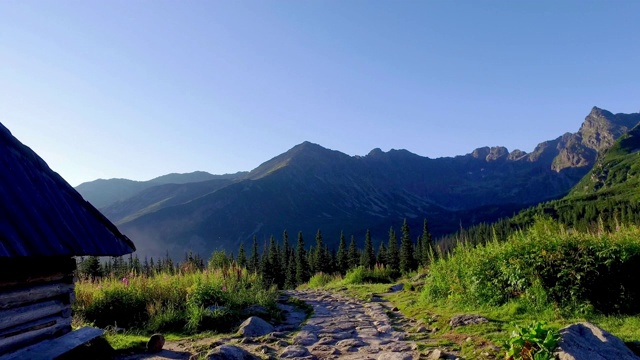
{"points": [[546, 263], [176, 302], [379, 274], [320, 280]]}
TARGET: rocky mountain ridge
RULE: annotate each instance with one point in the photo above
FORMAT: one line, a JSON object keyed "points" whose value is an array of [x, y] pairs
{"points": [[310, 187]]}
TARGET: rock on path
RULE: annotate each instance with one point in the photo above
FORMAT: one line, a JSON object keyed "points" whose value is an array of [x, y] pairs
{"points": [[345, 328]]}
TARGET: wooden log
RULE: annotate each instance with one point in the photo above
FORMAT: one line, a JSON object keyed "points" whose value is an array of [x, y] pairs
{"points": [[20, 315], [32, 325], [31, 337], [49, 278], [51, 349], [19, 297]]}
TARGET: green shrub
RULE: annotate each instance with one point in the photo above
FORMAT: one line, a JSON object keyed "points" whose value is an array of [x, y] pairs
{"points": [[319, 280], [379, 274], [579, 272], [124, 307], [175, 302]]}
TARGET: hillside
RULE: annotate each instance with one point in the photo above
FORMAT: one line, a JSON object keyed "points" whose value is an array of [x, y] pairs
{"points": [[310, 187]]}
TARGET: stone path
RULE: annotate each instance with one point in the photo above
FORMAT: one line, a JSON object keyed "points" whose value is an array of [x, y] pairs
{"points": [[346, 328], [341, 327]]}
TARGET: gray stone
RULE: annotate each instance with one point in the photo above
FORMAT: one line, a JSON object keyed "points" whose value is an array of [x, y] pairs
{"points": [[155, 343], [394, 356], [396, 288], [255, 326], [230, 352], [435, 354], [587, 341], [467, 319], [421, 329], [294, 351]]}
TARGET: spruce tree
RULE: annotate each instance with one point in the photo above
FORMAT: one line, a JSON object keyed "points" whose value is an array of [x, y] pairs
{"points": [[427, 244], [393, 255], [368, 257], [302, 267], [352, 254], [417, 254], [382, 254], [406, 249], [242, 256], [342, 261], [285, 252], [320, 261], [273, 271], [290, 277], [254, 260]]}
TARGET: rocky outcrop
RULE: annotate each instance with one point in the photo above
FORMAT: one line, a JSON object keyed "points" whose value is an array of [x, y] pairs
{"points": [[587, 341]]}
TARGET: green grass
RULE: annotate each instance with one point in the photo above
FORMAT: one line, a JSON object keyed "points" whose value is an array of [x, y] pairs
{"points": [[173, 303]]}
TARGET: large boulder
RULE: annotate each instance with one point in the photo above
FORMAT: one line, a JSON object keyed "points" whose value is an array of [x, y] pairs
{"points": [[587, 341], [255, 326], [230, 352]]}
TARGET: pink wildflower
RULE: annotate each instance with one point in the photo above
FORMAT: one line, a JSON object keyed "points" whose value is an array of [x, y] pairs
{"points": [[224, 288], [125, 281]]}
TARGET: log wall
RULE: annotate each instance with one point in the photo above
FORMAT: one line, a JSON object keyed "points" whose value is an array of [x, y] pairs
{"points": [[35, 300]]}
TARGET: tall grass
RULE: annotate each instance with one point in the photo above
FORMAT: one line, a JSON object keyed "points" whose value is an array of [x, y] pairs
{"points": [[546, 265], [176, 302]]}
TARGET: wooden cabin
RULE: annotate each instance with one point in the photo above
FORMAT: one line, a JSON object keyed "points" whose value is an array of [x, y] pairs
{"points": [[44, 224]]}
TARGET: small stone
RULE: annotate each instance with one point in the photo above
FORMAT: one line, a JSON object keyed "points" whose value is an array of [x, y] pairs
{"points": [[294, 351], [395, 308], [463, 320], [468, 339], [435, 354], [421, 329], [230, 352], [281, 343], [434, 330], [155, 343]]}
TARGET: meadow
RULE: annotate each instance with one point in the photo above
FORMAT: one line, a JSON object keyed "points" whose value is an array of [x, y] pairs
{"points": [[546, 274]]}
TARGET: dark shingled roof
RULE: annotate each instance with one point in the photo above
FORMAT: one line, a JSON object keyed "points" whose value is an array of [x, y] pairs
{"points": [[42, 215]]}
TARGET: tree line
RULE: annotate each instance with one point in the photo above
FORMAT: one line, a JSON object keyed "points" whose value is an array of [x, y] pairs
{"points": [[284, 264]]}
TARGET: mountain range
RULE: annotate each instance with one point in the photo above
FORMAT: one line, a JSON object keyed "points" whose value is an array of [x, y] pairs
{"points": [[310, 187]]}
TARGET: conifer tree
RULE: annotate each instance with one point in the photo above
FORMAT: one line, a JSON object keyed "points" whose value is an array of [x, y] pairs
{"points": [[417, 254], [352, 254], [254, 260], [393, 255], [290, 277], [382, 254], [427, 243], [273, 272], [319, 256], [406, 249], [302, 267], [368, 257], [285, 252], [242, 256], [342, 261], [90, 268]]}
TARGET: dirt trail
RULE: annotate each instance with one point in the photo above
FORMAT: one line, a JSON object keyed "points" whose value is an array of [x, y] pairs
{"points": [[341, 327]]}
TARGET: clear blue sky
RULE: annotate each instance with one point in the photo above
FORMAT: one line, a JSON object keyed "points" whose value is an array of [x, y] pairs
{"points": [[137, 89]]}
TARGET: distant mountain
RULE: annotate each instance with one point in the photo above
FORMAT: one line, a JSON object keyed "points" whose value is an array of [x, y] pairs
{"points": [[310, 187], [102, 193]]}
